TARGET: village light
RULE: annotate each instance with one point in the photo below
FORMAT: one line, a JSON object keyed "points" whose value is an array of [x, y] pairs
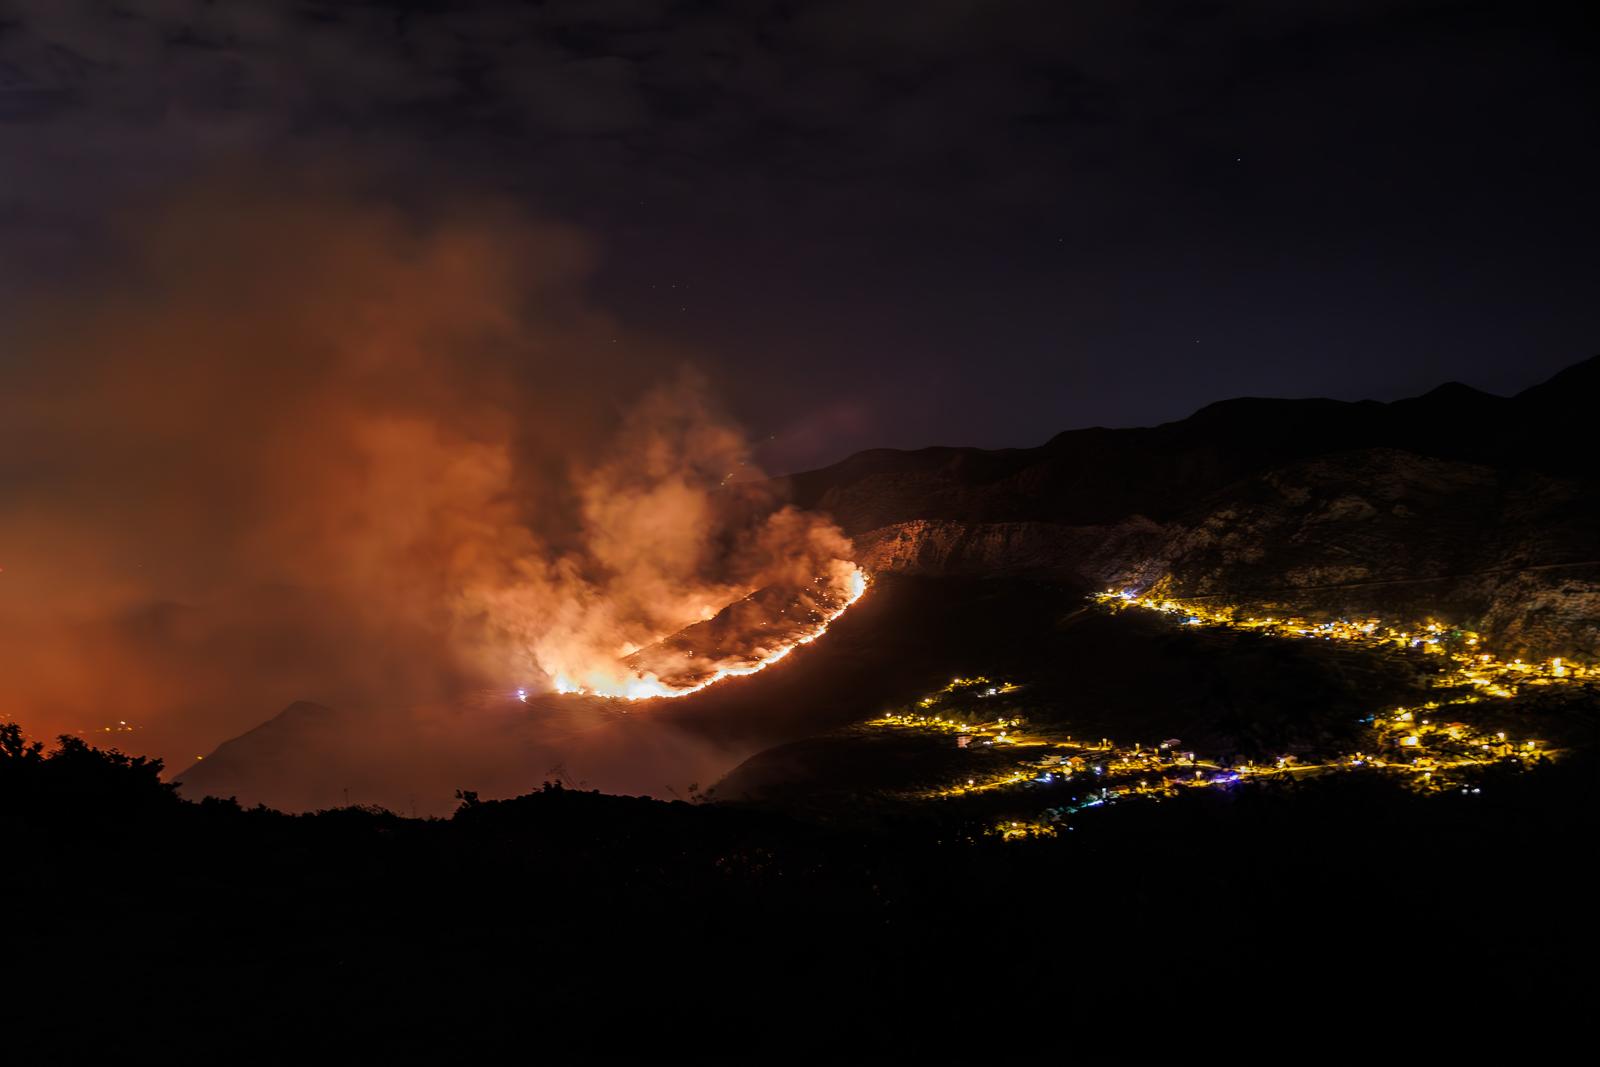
{"points": [[1483, 673]]}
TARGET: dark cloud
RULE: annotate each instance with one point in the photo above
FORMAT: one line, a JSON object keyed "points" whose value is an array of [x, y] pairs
{"points": [[1091, 212]]}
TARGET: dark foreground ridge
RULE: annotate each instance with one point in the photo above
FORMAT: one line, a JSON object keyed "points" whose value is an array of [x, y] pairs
{"points": [[579, 924]]}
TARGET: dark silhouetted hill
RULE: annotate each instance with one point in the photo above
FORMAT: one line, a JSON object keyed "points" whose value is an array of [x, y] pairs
{"points": [[1477, 509]]}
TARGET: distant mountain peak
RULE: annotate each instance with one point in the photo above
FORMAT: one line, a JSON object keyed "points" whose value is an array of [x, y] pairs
{"points": [[1454, 390], [1576, 386]]}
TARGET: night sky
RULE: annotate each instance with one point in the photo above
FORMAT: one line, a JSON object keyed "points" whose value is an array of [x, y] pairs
{"points": [[987, 221]]}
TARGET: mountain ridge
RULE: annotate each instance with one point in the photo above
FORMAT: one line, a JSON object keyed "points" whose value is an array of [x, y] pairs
{"points": [[1486, 497], [1439, 422], [1313, 507]]}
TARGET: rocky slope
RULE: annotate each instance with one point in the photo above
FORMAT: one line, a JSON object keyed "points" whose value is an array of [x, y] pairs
{"points": [[1479, 510]]}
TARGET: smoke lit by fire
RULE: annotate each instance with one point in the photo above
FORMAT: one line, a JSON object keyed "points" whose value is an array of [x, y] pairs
{"points": [[303, 447]]}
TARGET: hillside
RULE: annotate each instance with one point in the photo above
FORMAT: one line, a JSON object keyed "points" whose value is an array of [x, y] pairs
{"points": [[1476, 509], [1458, 506]]}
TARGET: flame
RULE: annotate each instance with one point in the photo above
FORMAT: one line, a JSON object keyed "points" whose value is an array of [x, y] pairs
{"points": [[649, 687]]}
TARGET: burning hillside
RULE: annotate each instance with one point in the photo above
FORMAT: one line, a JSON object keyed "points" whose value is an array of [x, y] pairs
{"points": [[430, 468], [747, 636]]}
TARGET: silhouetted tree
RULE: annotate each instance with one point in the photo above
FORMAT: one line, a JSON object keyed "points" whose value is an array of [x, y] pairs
{"points": [[13, 746], [77, 780]]}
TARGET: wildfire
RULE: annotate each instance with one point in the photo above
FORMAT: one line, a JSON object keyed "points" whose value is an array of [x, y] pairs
{"points": [[649, 686]]}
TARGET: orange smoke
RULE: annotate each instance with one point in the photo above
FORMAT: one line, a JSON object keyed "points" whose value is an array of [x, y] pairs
{"points": [[298, 446]]}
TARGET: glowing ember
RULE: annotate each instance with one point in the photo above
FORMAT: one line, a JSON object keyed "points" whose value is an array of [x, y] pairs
{"points": [[648, 685]]}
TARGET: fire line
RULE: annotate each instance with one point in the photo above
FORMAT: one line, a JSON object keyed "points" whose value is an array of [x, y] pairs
{"points": [[650, 687]]}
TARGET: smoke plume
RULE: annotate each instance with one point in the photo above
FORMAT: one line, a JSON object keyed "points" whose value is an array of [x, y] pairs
{"points": [[305, 445]]}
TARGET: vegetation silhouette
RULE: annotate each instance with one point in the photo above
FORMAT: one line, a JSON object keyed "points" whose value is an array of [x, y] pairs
{"points": [[567, 920]]}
